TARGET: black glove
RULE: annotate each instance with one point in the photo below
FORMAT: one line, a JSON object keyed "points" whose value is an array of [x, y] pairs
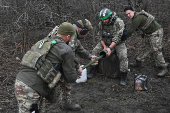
{"points": [[143, 35], [34, 108], [125, 35]]}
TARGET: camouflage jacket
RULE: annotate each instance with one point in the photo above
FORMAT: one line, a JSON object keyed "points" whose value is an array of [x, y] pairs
{"points": [[111, 32], [78, 49]]}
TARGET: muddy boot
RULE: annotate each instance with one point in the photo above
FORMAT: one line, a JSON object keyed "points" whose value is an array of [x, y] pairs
{"points": [[72, 107], [123, 78], [137, 63], [162, 72], [93, 69]]}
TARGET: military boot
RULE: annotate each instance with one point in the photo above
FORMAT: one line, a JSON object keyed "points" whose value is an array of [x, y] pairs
{"points": [[93, 69], [72, 107], [162, 72], [137, 63], [123, 78]]}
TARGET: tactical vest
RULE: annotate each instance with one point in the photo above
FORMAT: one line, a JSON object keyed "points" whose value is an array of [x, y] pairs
{"points": [[149, 20], [36, 58], [109, 31]]}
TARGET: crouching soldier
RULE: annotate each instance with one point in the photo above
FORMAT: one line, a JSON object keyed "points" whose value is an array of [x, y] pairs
{"points": [[111, 29], [152, 34], [48, 63], [83, 28]]}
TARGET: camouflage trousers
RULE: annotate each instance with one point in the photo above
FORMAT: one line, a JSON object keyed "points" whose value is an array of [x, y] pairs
{"points": [[65, 92], [153, 44], [121, 52], [26, 96]]}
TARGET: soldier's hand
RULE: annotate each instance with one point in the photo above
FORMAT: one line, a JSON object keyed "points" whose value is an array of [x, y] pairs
{"points": [[109, 51], [93, 57], [80, 70], [105, 48]]}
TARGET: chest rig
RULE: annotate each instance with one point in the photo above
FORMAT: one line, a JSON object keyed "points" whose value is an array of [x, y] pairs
{"points": [[149, 20], [36, 58], [109, 31]]}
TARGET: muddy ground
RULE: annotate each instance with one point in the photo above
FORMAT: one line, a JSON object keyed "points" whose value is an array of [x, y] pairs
{"points": [[99, 94]]}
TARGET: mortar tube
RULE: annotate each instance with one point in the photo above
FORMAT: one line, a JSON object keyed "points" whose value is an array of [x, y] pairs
{"points": [[96, 59], [90, 63]]}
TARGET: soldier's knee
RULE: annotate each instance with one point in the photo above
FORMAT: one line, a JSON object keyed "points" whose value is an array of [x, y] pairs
{"points": [[123, 58]]}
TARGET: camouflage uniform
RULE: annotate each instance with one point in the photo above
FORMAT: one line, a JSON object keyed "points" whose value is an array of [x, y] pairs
{"points": [[116, 31], [153, 42], [47, 64], [26, 97], [75, 43], [153, 34], [77, 49], [65, 93]]}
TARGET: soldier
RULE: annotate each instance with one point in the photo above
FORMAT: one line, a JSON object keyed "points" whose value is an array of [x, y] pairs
{"points": [[111, 29], [83, 27], [47, 63], [152, 35]]}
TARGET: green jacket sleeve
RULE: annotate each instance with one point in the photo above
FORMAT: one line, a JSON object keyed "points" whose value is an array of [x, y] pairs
{"points": [[62, 53], [78, 49], [76, 62], [82, 52], [137, 22], [68, 67]]}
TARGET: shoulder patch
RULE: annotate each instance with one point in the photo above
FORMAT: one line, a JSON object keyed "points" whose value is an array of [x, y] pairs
{"points": [[53, 42]]}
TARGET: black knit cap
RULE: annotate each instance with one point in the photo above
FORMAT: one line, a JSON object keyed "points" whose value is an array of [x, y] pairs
{"points": [[129, 8]]}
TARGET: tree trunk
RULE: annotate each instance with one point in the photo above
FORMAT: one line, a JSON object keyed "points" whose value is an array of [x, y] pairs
{"points": [[1, 2], [109, 66]]}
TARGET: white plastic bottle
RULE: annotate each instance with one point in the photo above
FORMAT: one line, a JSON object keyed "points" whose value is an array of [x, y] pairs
{"points": [[82, 78]]}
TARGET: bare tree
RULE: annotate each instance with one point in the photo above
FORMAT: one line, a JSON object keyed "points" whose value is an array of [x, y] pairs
{"points": [[21, 19]]}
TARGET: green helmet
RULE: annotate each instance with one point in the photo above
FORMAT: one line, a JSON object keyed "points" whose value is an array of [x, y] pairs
{"points": [[105, 13]]}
